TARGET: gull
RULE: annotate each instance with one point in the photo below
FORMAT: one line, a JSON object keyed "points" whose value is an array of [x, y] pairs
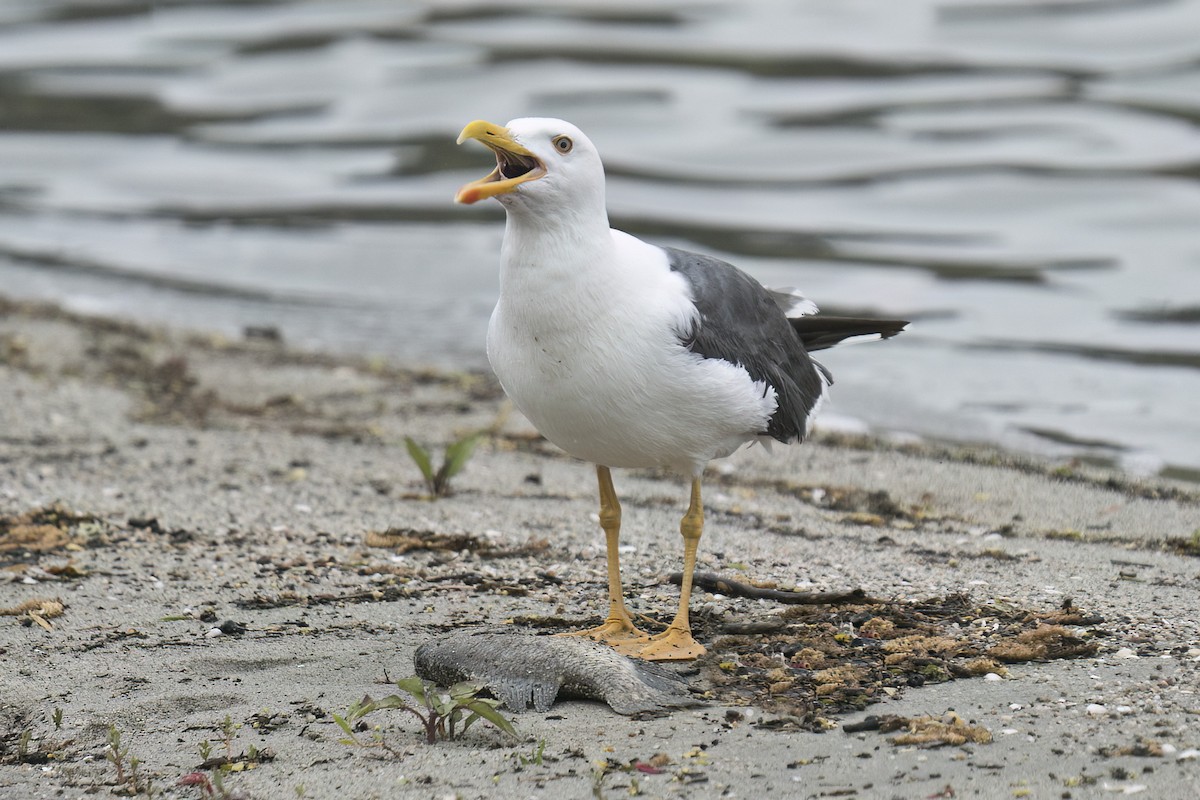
{"points": [[626, 354]]}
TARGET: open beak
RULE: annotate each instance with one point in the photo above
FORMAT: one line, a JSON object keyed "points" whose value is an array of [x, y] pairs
{"points": [[514, 164]]}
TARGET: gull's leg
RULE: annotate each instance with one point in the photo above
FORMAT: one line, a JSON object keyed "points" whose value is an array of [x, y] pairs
{"points": [[676, 642], [618, 626]]}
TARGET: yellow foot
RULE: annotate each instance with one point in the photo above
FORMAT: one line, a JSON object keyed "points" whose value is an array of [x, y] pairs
{"points": [[614, 631], [673, 644]]}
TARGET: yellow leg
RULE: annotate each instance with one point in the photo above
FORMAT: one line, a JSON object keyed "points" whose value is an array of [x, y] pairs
{"points": [[676, 642], [618, 627]]}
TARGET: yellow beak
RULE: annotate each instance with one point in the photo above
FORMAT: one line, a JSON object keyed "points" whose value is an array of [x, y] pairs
{"points": [[514, 163]]}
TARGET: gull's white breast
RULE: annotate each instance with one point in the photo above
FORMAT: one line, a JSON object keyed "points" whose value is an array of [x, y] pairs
{"points": [[589, 349]]}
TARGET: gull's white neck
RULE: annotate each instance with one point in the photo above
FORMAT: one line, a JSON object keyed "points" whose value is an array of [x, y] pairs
{"points": [[553, 246]]}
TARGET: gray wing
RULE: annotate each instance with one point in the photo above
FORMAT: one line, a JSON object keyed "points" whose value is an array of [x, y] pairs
{"points": [[741, 322]]}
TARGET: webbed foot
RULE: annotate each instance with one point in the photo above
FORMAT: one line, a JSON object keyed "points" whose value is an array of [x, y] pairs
{"points": [[673, 644], [614, 631]]}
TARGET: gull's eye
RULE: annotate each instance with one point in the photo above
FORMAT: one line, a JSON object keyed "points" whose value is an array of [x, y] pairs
{"points": [[563, 144]]}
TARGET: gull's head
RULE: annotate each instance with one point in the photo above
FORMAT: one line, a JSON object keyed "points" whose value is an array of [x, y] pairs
{"points": [[539, 163]]}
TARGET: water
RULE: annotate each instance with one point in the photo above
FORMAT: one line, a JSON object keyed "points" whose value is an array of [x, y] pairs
{"points": [[1020, 178]]}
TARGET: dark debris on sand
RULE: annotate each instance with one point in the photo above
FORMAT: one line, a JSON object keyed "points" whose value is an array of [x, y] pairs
{"points": [[830, 660]]}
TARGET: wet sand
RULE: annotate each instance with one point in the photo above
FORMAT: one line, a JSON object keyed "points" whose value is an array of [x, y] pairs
{"points": [[161, 486]]}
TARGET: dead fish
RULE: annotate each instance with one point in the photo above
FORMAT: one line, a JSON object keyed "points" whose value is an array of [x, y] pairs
{"points": [[522, 669]]}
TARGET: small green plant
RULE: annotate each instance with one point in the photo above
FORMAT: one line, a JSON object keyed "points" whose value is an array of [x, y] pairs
{"points": [[229, 731], [129, 779], [31, 750], [115, 753], [444, 715], [535, 757], [455, 458], [226, 758], [212, 785]]}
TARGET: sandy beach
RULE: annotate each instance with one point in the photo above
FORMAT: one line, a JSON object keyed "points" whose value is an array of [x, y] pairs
{"points": [[194, 529]]}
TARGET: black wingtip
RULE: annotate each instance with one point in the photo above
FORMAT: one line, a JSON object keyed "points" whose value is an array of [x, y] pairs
{"points": [[819, 332]]}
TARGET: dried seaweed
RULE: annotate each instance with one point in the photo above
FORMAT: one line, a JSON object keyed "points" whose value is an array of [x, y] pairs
{"points": [[837, 659]]}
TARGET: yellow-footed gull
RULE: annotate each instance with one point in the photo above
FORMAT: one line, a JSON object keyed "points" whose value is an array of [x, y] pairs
{"points": [[625, 354]]}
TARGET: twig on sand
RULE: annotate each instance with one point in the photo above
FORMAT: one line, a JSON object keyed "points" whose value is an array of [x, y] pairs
{"points": [[731, 588]]}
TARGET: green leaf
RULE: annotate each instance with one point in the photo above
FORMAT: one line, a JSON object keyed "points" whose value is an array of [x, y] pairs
{"points": [[391, 701], [458, 454], [343, 724], [361, 708], [484, 709], [465, 690], [421, 457], [416, 687]]}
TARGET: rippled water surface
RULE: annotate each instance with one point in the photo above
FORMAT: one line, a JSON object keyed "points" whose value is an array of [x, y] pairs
{"points": [[1018, 177]]}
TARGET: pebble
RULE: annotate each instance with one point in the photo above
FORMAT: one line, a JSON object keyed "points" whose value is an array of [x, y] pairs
{"points": [[1191, 754], [1096, 710], [1129, 788], [1125, 652], [991, 676]]}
